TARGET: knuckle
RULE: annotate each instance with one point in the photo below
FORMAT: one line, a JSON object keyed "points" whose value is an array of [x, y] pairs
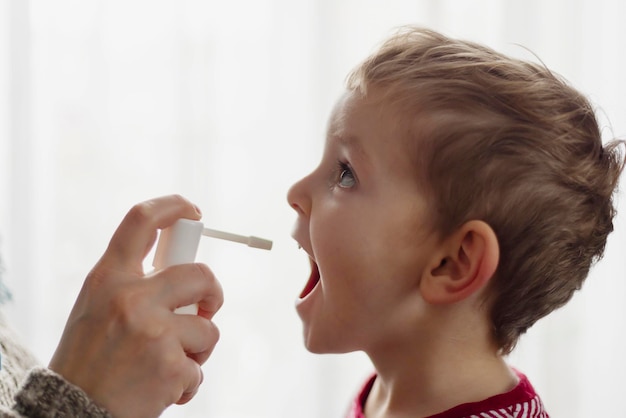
{"points": [[195, 379], [126, 306], [213, 286], [211, 334], [205, 271], [214, 335], [96, 277], [180, 199], [141, 213], [213, 294], [174, 368], [171, 370]]}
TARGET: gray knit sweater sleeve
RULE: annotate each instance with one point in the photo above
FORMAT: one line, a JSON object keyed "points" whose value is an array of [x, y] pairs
{"points": [[28, 390], [45, 394]]}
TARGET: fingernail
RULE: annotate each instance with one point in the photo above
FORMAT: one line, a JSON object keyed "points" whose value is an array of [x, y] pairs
{"points": [[198, 210]]}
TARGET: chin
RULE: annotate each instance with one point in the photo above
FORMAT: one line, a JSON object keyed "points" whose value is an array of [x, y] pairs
{"points": [[312, 344], [323, 344], [321, 349], [314, 349]]}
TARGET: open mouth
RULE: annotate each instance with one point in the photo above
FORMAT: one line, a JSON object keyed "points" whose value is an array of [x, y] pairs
{"points": [[314, 278]]}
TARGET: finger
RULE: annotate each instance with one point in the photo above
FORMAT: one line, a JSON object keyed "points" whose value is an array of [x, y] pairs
{"points": [[187, 284], [136, 234], [195, 378], [198, 336]]}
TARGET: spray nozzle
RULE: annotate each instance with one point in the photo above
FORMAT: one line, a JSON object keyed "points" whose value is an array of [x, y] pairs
{"points": [[178, 244]]}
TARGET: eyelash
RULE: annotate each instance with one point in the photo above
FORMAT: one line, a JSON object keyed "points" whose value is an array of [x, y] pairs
{"points": [[344, 168]]}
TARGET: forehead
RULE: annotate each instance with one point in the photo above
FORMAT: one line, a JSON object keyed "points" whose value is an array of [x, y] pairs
{"points": [[370, 126], [353, 109]]}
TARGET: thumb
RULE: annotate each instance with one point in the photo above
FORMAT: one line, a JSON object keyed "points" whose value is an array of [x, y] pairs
{"points": [[137, 233]]}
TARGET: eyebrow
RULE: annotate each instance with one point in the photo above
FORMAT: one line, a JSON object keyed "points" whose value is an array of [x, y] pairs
{"points": [[354, 145], [337, 132]]}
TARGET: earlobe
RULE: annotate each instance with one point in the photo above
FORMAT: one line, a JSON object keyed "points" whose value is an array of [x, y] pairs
{"points": [[466, 263]]}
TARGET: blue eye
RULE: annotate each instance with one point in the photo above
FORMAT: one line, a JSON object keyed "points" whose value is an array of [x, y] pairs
{"points": [[346, 178]]}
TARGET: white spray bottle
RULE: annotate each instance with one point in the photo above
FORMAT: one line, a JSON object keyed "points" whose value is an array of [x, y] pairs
{"points": [[178, 244]]}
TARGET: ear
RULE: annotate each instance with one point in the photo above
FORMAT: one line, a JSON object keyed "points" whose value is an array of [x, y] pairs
{"points": [[467, 261]]}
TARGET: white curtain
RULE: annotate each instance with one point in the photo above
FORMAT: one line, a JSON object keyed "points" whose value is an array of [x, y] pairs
{"points": [[104, 103]]}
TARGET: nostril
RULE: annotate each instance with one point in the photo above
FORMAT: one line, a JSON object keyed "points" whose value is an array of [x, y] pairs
{"points": [[297, 208], [292, 199]]}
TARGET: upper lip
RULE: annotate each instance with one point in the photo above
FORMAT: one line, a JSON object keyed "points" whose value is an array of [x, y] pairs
{"points": [[307, 251], [302, 245]]}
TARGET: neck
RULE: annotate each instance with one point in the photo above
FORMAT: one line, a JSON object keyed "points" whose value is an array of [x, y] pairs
{"points": [[420, 376]]}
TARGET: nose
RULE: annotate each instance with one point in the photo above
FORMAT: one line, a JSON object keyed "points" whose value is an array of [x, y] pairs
{"points": [[299, 198]]}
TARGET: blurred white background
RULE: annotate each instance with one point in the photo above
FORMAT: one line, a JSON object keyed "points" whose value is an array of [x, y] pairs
{"points": [[107, 103]]}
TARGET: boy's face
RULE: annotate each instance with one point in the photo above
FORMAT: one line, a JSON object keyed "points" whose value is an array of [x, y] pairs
{"points": [[362, 220]]}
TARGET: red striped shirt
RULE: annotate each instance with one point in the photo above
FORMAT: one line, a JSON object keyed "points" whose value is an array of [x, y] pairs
{"points": [[521, 402]]}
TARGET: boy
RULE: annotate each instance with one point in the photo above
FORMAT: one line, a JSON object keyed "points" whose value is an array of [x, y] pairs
{"points": [[462, 196]]}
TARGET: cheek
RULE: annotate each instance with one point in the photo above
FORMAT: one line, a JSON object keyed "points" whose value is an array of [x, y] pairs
{"points": [[342, 256], [372, 255], [355, 270]]}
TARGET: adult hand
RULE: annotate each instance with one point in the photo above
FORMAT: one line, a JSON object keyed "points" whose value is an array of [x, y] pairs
{"points": [[122, 343]]}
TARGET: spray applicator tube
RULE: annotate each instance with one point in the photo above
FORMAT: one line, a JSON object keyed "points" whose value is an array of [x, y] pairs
{"points": [[178, 244]]}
